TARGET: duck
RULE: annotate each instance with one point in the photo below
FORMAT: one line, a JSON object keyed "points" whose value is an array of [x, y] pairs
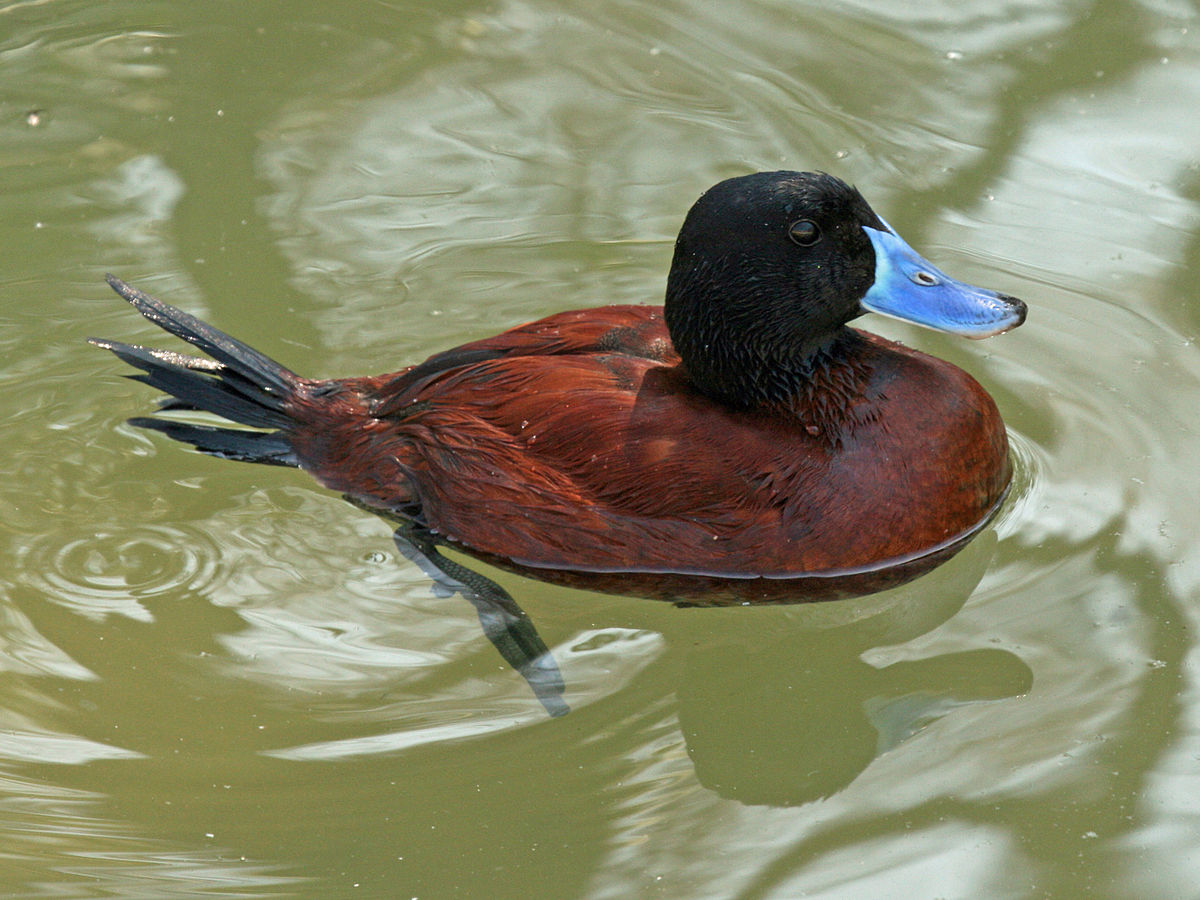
{"points": [[742, 429]]}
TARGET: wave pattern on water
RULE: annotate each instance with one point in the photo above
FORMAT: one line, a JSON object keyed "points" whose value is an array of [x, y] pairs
{"points": [[207, 643], [103, 572]]}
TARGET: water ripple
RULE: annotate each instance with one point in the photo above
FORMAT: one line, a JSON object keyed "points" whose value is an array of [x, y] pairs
{"points": [[111, 572]]}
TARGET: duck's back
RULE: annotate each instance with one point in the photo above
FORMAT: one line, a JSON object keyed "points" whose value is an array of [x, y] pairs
{"points": [[578, 442]]}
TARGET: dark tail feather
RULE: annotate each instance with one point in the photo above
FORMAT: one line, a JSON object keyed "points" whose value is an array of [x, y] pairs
{"points": [[244, 360], [268, 447], [201, 384], [238, 383]]}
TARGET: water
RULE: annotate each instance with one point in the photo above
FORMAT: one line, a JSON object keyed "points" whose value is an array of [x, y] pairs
{"points": [[220, 680]]}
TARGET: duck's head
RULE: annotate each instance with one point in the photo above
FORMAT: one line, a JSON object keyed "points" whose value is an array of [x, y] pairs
{"points": [[770, 267]]}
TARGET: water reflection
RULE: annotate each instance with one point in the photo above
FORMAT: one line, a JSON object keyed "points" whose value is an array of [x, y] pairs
{"points": [[775, 717], [63, 829], [1077, 120], [786, 735], [787, 716]]}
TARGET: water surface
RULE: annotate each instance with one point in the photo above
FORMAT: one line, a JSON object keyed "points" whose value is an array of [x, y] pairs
{"points": [[221, 680]]}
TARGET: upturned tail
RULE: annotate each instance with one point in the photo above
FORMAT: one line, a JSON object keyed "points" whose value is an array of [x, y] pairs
{"points": [[238, 383]]}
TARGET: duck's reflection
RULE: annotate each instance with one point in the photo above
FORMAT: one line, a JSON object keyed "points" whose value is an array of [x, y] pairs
{"points": [[775, 717], [780, 735]]}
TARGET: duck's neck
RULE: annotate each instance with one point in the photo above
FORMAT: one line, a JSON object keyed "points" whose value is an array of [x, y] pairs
{"points": [[818, 383], [826, 394]]}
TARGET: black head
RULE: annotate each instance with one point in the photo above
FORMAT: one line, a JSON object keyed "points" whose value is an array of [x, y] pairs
{"points": [[768, 269]]}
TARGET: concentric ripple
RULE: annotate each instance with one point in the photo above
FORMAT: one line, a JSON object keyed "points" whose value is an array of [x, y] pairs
{"points": [[108, 572]]}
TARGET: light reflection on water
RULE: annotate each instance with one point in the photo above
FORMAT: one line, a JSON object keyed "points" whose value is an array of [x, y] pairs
{"points": [[193, 648]]}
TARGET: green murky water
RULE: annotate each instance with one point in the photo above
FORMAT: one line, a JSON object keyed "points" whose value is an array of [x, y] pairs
{"points": [[220, 680]]}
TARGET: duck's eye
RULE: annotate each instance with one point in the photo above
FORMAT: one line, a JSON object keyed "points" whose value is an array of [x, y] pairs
{"points": [[805, 232]]}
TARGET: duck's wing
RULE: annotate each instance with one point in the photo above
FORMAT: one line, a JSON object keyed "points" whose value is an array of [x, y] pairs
{"points": [[637, 331]]}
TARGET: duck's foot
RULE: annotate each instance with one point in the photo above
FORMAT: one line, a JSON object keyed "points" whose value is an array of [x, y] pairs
{"points": [[505, 624]]}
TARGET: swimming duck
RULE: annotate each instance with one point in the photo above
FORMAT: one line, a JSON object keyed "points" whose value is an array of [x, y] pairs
{"points": [[742, 429]]}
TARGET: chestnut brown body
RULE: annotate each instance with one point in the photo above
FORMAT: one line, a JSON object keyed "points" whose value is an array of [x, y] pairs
{"points": [[581, 444]]}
